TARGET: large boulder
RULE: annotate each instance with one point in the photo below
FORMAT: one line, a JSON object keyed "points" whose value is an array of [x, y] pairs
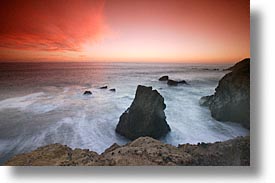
{"points": [[145, 116], [231, 101]]}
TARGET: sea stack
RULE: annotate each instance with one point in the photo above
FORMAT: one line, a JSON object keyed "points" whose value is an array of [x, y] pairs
{"points": [[145, 116], [231, 101]]}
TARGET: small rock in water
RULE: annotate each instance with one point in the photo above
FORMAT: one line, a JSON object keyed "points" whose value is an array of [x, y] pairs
{"points": [[103, 87], [163, 78], [113, 89], [87, 92], [171, 82]]}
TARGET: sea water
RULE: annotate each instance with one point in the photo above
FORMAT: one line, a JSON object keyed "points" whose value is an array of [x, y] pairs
{"points": [[43, 103]]}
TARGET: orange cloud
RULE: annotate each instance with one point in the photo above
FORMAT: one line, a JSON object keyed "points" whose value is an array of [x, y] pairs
{"points": [[50, 25]]}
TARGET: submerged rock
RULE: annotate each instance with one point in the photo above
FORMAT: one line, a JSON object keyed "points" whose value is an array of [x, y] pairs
{"points": [[140, 152], [231, 101], [87, 92], [163, 78], [103, 87], [145, 116], [171, 82]]}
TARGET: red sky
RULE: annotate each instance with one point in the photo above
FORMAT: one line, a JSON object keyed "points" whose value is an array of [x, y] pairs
{"points": [[125, 30]]}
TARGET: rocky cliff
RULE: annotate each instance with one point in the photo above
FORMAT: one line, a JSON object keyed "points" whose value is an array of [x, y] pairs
{"points": [[142, 151], [231, 101]]}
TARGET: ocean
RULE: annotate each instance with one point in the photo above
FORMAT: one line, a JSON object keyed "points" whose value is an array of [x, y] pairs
{"points": [[43, 103]]}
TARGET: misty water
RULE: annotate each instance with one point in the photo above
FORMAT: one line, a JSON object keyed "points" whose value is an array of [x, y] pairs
{"points": [[43, 103]]}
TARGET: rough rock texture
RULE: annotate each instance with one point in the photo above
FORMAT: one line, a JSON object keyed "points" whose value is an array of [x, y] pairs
{"points": [[163, 78], [142, 151], [145, 116], [231, 101], [171, 82]]}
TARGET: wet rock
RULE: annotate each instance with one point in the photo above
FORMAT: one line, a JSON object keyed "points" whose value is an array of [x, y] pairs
{"points": [[163, 78], [103, 87], [145, 116], [87, 92], [231, 100], [171, 82]]}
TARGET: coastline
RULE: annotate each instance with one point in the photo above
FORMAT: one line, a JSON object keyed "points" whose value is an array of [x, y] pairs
{"points": [[143, 151]]}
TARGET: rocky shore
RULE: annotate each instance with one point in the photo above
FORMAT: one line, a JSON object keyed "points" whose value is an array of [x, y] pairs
{"points": [[145, 121], [231, 100], [142, 151]]}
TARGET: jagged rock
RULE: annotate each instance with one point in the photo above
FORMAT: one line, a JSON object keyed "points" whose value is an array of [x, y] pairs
{"points": [[87, 93], [145, 116], [103, 87], [163, 78], [171, 82], [113, 89], [240, 65], [142, 151], [231, 101]]}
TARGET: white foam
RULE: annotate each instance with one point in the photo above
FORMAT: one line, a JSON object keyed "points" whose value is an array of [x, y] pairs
{"points": [[20, 102]]}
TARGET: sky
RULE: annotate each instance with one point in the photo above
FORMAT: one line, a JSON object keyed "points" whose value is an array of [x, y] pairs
{"points": [[125, 30]]}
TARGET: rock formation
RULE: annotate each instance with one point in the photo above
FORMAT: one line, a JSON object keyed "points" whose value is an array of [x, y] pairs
{"points": [[171, 82], [142, 151], [103, 87], [87, 92], [163, 78], [145, 116], [231, 101]]}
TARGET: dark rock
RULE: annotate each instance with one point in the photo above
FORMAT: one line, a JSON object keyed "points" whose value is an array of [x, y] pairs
{"points": [[205, 101], [182, 82], [163, 78], [113, 89], [240, 65], [171, 82], [87, 92], [231, 101], [103, 87], [145, 116]]}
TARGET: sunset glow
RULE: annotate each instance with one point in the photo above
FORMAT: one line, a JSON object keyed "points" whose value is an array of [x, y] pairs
{"points": [[125, 31]]}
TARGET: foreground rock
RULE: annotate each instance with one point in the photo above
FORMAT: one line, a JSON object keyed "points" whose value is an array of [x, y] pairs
{"points": [[231, 101], [145, 116], [142, 151], [171, 82]]}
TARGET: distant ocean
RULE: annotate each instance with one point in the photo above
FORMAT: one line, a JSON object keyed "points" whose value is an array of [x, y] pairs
{"points": [[43, 103]]}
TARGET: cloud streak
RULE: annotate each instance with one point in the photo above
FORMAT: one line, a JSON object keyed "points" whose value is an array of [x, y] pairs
{"points": [[50, 25]]}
